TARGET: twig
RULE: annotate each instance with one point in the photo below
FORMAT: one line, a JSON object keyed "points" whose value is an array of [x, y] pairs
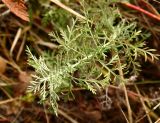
{"points": [[5, 13], [156, 1], [4, 84], [45, 111], [43, 43], [123, 114], [2, 5], [21, 47], [18, 34], [13, 64], [6, 93], [57, 2], [66, 116], [154, 108], [20, 111], [125, 92], [157, 121], [8, 101], [144, 106], [150, 27], [6, 79], [141, 10], [47, 44]]}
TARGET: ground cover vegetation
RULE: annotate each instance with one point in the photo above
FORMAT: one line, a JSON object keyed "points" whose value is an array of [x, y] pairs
{"points": [[80, 61]]}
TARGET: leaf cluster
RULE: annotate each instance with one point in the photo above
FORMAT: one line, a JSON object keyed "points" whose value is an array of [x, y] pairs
{"points": [[88, 54]]}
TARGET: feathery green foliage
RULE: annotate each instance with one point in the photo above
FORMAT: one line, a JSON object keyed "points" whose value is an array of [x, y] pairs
{"points": [[88, 54]]}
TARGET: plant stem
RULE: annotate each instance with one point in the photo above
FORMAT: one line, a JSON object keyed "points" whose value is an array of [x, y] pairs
{"points": [[125, 91]]}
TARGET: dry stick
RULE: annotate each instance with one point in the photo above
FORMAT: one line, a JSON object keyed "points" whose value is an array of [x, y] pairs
{"points": [[5, 13], [141, 10], [156, 1], [154, 108], [125, 92], [150, 28], [13, 64], [6, 93], [2, 5], [4, 84], [128, 92], [8, 101], [75, 115], [19, 113], [21, 47], [57, 2], [123, 114], [144, 106], [46, 115], [2, 117], [18, 34], [43, 43], [39, 40], [39, 26], [149, 6], [157, 121], [47, 44], [66, 116], [118, 88], [6, 79], [134, 94]]}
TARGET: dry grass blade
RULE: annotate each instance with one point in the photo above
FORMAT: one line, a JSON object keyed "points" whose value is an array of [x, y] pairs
{"points": [[157, 1], [60, 112], [158, 121], [125, 92], [21, 47], [18, 8], [144, 106], [57, 2], [124, 114], [15, 40], [8, 101]]}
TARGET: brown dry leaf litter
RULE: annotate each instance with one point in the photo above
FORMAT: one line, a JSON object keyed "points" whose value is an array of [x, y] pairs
{"points": [[18, 8]]}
